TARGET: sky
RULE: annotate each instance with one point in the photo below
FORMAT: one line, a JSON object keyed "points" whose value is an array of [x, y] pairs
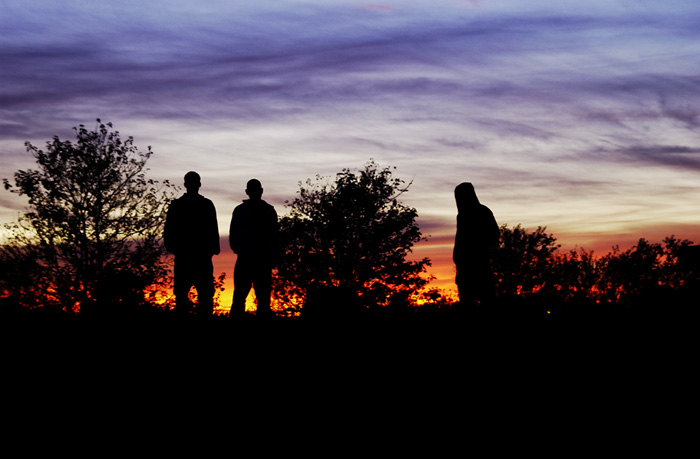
{"points": [[583, 117]]}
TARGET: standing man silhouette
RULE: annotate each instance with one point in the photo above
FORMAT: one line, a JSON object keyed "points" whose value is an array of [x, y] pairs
{"points": [[192, 235], [254, 238], [477, 236]]}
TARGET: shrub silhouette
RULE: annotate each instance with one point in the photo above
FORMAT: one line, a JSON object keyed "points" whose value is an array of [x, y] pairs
{"points": [[91, 238], [352, 235]]}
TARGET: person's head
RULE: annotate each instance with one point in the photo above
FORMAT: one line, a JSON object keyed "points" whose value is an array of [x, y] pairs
{"points": [[254, 189], [465, 196], [192, 182]]}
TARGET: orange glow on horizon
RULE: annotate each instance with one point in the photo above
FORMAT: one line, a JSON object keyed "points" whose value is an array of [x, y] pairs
{"points": [[226, 298]]}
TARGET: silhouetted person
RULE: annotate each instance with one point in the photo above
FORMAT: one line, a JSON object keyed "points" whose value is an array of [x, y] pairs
{"points": [[477, 236], [192, 235], [254, 237]]}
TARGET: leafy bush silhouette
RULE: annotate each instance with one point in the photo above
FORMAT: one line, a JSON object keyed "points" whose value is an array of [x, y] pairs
{"points": [[352, 235], [91, 239], [529, 266]]}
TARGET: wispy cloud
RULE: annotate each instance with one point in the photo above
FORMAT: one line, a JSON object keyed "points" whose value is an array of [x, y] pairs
{"points": [[548, 107], [375, 7], [669, 156]]}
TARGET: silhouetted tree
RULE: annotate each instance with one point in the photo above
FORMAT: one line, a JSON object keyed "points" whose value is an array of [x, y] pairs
{"points": [[641, 273], [523, 260], [573, 276], [21, 283], [528, 265], [351, 236], [92, 234]]}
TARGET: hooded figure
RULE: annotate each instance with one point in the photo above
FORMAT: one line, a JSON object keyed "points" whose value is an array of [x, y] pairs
{"points": [[477, 236]]}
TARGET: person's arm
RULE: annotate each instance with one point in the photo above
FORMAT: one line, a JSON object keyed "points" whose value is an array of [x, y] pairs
{"points": [[275, 243], [216, 244], [233, 232], [494, 230], [169, 230]]}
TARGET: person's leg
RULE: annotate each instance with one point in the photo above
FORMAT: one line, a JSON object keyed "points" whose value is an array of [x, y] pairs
{"points": [[181, 285], [263, 289], [465, 287], [205, 287], [242, 284]]}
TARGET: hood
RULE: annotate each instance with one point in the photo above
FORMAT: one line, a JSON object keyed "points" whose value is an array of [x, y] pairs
{"points": [[466, 197]]}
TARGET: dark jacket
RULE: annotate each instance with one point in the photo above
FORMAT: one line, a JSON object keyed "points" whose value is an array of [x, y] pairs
{"points": [[477, 230], [254, 230], [191, 227]]}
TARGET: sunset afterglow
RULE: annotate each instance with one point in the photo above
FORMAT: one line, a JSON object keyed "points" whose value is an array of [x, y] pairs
{"points": [[583, 117]]}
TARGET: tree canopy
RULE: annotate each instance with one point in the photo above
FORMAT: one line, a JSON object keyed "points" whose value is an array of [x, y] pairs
{"points": [[92, 233], [529, 264], [352, 234]]}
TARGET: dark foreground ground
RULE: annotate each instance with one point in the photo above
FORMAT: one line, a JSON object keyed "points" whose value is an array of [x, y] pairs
{"points": [[431, 383], [440, 332]]}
